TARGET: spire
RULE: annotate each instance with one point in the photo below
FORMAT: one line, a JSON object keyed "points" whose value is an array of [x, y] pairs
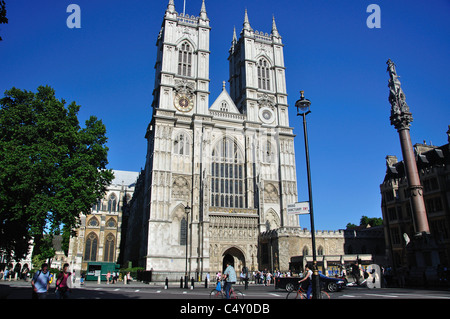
{"points": [[203, 7], [203, 14], [234, 41], [246, 22], [274, 28], [171, 7]]}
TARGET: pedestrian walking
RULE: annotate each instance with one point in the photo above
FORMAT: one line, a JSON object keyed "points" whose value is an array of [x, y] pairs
{"points": [[63, 283], [41, 283]]}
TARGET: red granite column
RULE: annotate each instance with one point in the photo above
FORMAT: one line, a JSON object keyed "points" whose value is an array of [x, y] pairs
{"points": [[414, 186]]}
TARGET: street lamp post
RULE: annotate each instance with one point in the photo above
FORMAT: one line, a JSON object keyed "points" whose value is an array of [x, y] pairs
{"points": [[303, 109], [187, 210]]}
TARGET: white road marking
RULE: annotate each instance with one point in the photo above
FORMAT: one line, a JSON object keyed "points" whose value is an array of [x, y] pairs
{"points": [[378, 295]]}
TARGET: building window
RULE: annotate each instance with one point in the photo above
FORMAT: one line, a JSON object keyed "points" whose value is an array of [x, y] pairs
{"points": [[392, 214], [111, 223], [185, 60], [224, 107], [227, 175], [263, 74], [183, 231], [181, 145], [90, 249], [97, 206], [305, 251], [320, 251], [93, 222], [112, 203], [396, 236], [109, 248]]}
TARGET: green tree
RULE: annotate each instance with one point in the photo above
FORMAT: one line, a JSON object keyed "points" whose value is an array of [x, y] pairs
{"points": [[372, 221], [51, 169], [3, 18], [366, 221]]}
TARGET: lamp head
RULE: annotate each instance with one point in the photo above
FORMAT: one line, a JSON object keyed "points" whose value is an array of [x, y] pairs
{"points": [[303, 104]]}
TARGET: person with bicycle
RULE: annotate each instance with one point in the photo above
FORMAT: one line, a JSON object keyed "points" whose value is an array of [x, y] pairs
{"points": [[308, 278], [230, 278]]}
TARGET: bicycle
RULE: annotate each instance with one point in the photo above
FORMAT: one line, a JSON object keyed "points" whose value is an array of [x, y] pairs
{"points": [[301, 294], [220, 294]]}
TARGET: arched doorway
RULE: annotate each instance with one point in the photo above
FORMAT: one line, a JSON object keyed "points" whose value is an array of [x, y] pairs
{"points": [[236, 258]]}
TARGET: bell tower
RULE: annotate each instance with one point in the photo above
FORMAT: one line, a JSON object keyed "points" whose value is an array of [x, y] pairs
{"points": [[182, 65], [257, 75]]}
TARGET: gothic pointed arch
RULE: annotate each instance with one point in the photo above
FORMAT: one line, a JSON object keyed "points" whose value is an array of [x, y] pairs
{"points": [[185, 58], [179, 225], [112, 203], [263, 70], [235, 255], [109, 248], [91, 247], [272, 219], [227, 175]]}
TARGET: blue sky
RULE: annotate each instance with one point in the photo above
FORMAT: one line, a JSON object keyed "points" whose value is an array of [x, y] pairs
{"points": [[330, 53]]}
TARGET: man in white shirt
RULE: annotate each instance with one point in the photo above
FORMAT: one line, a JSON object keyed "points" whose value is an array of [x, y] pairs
{"points": [[230, 278]]}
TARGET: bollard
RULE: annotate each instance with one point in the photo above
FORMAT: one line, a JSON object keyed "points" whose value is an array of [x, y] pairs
{"points": [[206, 282], [181, 282], [167, 283], [192, 283]]}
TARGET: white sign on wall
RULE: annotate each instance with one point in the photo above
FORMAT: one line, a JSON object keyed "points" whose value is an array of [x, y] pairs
{"points": [[300, 208]]}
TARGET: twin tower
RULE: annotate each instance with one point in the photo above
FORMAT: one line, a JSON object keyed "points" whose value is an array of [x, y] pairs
{"points": [[217, 176]]}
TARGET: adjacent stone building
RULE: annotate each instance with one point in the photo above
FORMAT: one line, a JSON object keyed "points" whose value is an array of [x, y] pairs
{"points": [[434, 172], [99, 236]]}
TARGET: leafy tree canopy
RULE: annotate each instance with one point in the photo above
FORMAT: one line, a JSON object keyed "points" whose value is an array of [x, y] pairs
{"points": [[366, 221], [3, 18], [51, 169]]}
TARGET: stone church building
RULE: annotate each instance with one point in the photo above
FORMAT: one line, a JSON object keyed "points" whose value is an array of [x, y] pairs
{"points": [[231, 161], [218, 176]]}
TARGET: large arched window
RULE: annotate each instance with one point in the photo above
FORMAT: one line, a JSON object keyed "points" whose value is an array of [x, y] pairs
{"points": [[112, 203], [109, 248], [90, 249], [227, 175], [263, 74], [185, 59]]}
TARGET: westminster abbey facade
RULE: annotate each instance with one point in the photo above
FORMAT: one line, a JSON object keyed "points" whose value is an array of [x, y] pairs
{"points": [[220, 174]]}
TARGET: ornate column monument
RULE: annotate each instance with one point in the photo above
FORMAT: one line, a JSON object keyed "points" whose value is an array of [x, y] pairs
{"points": [[401, 118], [421, 250]]}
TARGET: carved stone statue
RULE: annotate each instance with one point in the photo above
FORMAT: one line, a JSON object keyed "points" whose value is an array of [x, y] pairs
{"points": [[401, 117]]}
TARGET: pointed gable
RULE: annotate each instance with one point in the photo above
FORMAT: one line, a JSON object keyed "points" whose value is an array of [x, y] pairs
{"points": [[224, 103]]}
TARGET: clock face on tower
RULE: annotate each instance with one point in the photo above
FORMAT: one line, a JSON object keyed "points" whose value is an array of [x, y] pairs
{"points": [[183, 103], [266, 115]]}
